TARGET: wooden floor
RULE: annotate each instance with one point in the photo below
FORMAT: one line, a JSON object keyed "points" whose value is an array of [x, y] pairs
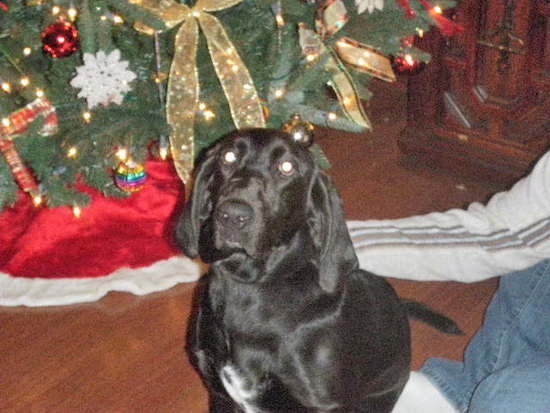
{"points": [[126, 353]]}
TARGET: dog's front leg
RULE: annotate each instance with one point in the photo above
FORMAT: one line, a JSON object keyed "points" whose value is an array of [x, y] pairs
{"points": [[220, 403], [209, 348]]}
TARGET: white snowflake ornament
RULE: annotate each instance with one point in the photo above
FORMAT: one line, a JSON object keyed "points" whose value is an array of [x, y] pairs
{"points": [[370, 5], [103, 79]]}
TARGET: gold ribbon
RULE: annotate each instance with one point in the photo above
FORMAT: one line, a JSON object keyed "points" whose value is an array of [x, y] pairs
{"points": [[343, 85], [331, 17], [183, 83], [365, 59]]}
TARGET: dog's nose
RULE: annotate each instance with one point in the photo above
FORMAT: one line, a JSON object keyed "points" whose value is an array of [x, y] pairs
{"points": [[235, 214]]}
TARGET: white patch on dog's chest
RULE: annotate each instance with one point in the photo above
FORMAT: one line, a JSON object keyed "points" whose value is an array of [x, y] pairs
{"points": [[237, 387]]}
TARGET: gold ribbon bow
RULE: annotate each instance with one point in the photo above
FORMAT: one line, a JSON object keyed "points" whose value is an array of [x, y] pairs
{"points": [[183, 83]]}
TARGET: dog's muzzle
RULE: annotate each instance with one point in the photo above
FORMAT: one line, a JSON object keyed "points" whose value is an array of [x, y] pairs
{"points": [[233, 222], [234, 215]]}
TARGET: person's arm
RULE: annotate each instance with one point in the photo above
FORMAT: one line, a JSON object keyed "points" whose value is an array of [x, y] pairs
{"points": [[510, 233]]}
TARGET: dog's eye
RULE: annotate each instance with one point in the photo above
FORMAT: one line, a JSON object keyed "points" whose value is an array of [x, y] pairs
{"points": [[229, 157], [287, 168]]}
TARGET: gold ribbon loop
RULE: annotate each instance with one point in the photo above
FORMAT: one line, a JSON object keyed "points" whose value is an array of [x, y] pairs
{"points": [[331, 17], [182, 98], [340, 81], [347, 95], [365, 59], [183, 84], [244, 102]]}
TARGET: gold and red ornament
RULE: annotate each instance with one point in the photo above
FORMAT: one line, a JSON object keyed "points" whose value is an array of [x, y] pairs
{"points": [[130, 176], [22, 175], [300, 130], [16, 124], [60, 39]]}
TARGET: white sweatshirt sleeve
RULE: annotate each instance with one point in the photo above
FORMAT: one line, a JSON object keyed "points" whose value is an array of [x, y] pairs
{"points": [[511, 232]]}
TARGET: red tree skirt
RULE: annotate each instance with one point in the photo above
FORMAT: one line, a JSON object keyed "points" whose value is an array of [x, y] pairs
{"points": [[48, 256]]}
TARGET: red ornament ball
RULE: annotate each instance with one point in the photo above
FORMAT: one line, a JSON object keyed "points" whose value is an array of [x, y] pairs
{"points": [[60, 39], [410, 14]]}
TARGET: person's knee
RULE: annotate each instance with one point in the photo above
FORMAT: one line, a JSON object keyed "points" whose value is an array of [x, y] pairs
{"points": [[522, 388]]}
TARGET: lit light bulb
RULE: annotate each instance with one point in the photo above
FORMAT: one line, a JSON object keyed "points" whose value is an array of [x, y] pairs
{"points": [[24, 81], [6, 87], [72, 12], [437, 9], [208, 114], [87, 116], [56, 10], [77, 211], [6, 122], [279, 93], [39, 93], [37, 200], [122, 154], [311, 57], [27, 51], [72, 152], [409, 59]]}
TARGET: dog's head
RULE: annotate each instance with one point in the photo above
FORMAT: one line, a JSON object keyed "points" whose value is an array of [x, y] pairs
{"points": [[259, 198]]}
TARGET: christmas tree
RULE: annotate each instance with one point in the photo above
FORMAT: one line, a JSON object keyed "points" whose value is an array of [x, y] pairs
{"points": [[91, 88]]}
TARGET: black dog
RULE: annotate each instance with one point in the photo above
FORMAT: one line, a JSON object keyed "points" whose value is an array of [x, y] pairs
{"points": [[287, 321]]}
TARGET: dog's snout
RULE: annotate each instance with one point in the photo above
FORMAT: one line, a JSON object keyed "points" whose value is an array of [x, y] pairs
{"points": [[234, 214]]}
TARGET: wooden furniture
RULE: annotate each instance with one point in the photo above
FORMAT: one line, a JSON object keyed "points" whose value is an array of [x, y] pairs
{"points": [[482, 105]]}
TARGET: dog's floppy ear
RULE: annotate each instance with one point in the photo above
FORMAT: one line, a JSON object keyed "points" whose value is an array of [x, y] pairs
{"points": [[197, 209], [330, 234]]}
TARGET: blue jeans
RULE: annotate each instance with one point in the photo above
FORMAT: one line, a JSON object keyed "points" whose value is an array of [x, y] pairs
{"points": [[506, 366]]}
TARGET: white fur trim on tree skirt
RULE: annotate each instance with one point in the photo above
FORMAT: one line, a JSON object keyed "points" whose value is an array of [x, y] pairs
{"points": [[35, 292]]}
